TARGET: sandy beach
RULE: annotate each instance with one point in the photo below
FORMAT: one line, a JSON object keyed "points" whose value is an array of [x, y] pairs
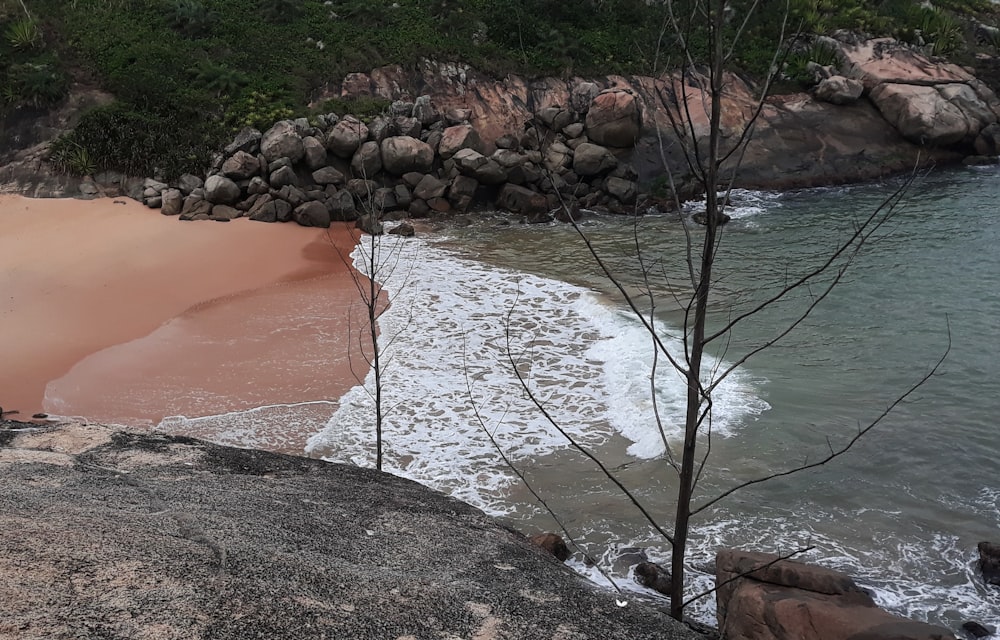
{"points": [[98, 300]]}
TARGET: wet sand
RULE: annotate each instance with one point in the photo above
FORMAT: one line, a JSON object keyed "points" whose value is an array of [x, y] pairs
{"points": [[101, 300]]}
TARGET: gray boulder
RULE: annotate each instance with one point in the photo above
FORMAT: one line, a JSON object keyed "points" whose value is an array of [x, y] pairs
{"points": [[517, 199], [407, 127], [171, 202], [625, 190], [282, 140], [240, 166], [921, 114], [592, 160], [367, 160], [188, 183], [582, 96], [476, 165], [248, 139], [346, 136], [839, 90], [614, 119], [425, 111], [429, 187], [462, 192], [312, 214], [328, 175], [403, 154], [263, 210], [458, 137], [314, 153], [221, 190], [283, 176], [224, 212], [341, 205]]}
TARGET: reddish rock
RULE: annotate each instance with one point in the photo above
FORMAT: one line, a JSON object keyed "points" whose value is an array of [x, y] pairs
{"points": [[553, 543], [614, 119], [458, 137], [763, 598], [653, 576]]}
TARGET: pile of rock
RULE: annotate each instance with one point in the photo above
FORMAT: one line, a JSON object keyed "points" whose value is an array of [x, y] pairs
{"points": [[762, 597], [415, 161]]}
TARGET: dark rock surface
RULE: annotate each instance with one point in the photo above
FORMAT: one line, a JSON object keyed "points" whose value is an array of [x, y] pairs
{"points": [[111, 534]]}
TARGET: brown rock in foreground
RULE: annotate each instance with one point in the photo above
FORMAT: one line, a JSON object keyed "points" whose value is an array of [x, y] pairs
{"points": [[785, 600], [110, 534]]}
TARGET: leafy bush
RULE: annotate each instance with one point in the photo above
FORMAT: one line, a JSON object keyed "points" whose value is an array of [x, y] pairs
{"points": [[360, 106], [39, 84], [23, 34], [191, 18]]}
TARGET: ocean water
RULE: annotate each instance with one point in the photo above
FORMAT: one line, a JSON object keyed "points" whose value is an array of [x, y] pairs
{"points": [[902, 511]]}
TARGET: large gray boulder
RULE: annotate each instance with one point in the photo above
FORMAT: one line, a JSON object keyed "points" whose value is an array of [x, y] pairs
{"points": [[922, 115], [403, 154], [314, 153], [282, 140], [341, 205], [328, 175], [241, 166], [248, 139], [367, 160], [346, 136], [425, 111], [476, 165], [582, 96], [839, 90], [593, 159], [171, 202], [312, 214], [221, 190], [518, 199], [614, 119], [458, 137]]}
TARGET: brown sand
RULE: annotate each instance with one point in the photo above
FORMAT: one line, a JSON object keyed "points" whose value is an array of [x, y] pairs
{"points": [[78, 277]]}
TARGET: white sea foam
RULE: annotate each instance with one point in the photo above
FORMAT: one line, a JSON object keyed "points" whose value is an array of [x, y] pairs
{"points": [[451, 326], [743, 204], [924, 575]]}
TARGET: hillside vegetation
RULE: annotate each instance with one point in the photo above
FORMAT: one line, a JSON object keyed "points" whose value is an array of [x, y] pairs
{"points": [[187, 73]]}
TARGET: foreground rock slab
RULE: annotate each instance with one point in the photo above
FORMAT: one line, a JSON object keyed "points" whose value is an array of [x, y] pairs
{"points": [[111, 534]]}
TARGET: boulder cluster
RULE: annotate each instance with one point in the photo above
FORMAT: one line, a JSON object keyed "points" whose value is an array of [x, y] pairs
{"points": [[416, 161]]}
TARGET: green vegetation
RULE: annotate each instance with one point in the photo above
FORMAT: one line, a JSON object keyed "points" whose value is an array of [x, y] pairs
{"points": [[189, 72]]}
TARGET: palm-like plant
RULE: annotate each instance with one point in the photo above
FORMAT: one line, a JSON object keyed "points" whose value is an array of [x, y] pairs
{"points": [[23, 34]]}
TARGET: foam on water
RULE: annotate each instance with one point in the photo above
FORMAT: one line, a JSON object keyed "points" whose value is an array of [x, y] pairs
{"points": [[449, 330], [744, 204], [926, 574]]}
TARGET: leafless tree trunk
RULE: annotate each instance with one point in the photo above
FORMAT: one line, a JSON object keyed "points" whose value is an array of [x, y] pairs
{"points": [[715, 164]]}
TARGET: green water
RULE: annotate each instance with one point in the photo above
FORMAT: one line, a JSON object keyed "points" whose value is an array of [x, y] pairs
{"points": [[905, 508]]}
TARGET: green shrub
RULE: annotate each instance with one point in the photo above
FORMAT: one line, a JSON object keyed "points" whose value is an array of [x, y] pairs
{"points": [[23, 34], [39, 84], [191, 18], [360, 107]]}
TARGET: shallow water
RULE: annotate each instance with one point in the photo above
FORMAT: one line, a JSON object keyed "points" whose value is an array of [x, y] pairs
{"points": [[902, 511]]}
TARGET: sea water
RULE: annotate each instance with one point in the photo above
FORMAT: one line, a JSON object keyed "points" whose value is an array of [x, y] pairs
{"points": [[510, 359]]}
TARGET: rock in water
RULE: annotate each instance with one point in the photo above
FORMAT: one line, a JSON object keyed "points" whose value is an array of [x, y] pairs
{"points": [[653, 576], [553, 543], [989, 562]]}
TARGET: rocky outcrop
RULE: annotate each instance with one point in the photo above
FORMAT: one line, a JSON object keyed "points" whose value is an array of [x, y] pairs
{"points": [[122, 535], [839, 90], [929, 103], [761, 597], [989, 562]]}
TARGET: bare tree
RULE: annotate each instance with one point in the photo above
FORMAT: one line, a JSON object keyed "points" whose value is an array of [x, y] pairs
{"points": [[696, 93], [375, 262]]}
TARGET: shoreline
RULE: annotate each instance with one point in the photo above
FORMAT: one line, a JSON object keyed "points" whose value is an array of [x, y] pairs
{"points": [[81, 277]]}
